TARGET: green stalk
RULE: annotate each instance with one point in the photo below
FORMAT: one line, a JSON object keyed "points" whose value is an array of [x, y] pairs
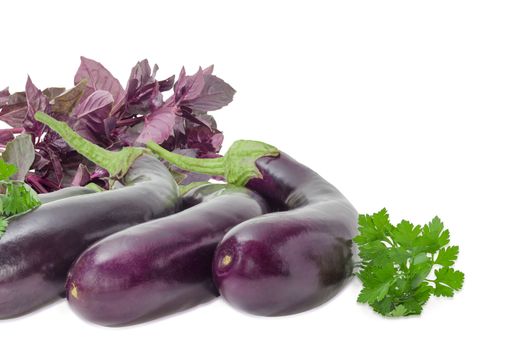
{"points": [[237, 166], [116, 163], [208, 166]]}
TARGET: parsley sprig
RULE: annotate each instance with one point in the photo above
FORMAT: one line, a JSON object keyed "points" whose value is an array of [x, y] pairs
{"points": [[397, 263], [16, 197]]}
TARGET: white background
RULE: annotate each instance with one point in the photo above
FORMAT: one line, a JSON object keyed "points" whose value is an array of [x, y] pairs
{"points": [[411, 105]]}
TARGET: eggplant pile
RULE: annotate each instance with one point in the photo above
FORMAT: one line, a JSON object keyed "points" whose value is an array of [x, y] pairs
{"points": [[275, 239]]}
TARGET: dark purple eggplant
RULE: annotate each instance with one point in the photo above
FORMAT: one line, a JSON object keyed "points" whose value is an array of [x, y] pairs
{"points": [[284, 262], [39, 247], [64, 193], [162, 266]]}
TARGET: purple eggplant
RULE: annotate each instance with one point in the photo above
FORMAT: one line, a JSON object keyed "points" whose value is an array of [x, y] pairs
{"points": [[162, 266], [64, 193], [284, 262], [39, 247]]}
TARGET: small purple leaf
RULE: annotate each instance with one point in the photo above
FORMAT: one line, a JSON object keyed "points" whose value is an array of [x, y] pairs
{"points": [[67, 100], [6, 135], [167, 84], [14, 114], [98, 78], [202, 91], [53, 92], [95, 106], [82, 176], [36, 101], [204, 139], [4, 96], [158, 126]]}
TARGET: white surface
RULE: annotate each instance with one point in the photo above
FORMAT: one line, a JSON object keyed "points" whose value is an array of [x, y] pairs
{"points": [[411, 105]]}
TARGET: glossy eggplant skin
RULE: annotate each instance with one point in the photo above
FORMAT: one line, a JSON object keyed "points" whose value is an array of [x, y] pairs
{"points": [[64, 193], [39, 247], [162, 266], [290, 261]]}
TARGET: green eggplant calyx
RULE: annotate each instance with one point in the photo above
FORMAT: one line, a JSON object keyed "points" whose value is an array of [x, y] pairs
{"points": [[240, 160], [237, 166]]}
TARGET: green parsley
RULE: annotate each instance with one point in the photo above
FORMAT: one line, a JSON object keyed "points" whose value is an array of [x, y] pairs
{"points": [[397, 263], [16, 197]]}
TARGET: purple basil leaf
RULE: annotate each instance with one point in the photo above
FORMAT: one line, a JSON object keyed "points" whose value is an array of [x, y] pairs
{"points": [[207, 120], [70, 165], [110, 125], [67, 100], [38, 183], [36, 101], [52, 170], [17, 97], [96, 106], [187, 87], [91, 117], [21, 153], [57, 166], [53, 92], [4, 96], [82, 176], [92, 131], [99, 173], [158, 126], [145, 99], [6, 135], [202, 91], [41, 161], [57, 143], [14, 114], [100, 177], [186, 113], [143, 91], [128, 135], [167, 84], [204, 139], [141, 72], [180, 124], [214, 95], [98, 78]]}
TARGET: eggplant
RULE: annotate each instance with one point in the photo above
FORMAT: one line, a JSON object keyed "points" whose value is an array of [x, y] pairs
{"points": [[38, 247], [288, 261], [64, 193], [162, 266]]}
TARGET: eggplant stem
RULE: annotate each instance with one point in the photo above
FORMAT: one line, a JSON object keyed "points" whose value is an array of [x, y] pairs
{"points": [[237, 166], [208, 166], [117, 163]]}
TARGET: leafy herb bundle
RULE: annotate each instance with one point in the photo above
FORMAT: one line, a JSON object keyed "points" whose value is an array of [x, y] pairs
{"points": [[397, 261], [100, 109]]}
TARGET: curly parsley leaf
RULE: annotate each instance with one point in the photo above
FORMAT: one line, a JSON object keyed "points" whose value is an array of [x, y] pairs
{"points": [[6, 170], [3, 225], [448, 281], [447, 256], [396, 262], [16, 197]]}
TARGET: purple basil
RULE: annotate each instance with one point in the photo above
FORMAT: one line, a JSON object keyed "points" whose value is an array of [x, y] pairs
{"points": [[101, 110]]}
